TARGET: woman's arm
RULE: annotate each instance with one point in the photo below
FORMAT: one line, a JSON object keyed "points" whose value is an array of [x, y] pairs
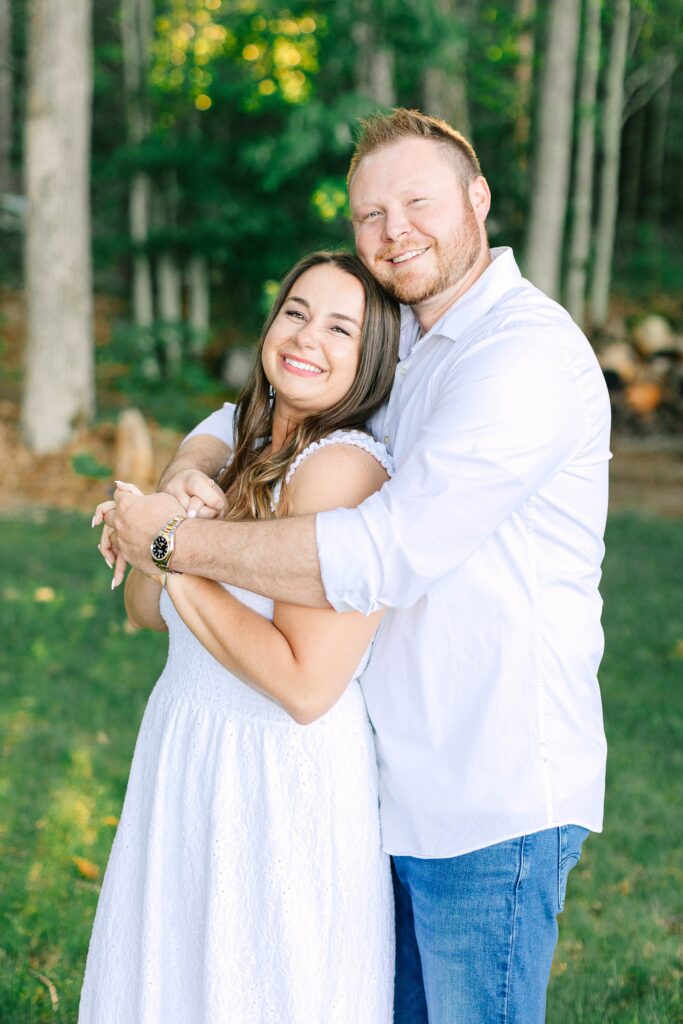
{"points": [[305, 657], [141, 598]]}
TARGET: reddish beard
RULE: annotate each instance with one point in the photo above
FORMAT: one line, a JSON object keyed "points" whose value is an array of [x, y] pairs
{"points": [[453, 262]]}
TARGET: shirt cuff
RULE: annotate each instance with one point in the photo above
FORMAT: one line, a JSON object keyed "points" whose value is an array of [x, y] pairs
{"points": [[349, 561]]}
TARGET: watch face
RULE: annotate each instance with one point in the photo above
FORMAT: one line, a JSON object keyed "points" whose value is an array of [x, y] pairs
{"points": [[159, 547]]}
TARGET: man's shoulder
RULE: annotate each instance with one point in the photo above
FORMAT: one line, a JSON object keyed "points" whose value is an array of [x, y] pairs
{"points": [[531, 320]]}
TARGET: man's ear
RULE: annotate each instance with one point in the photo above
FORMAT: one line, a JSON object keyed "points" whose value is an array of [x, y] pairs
{"points": [[480, 197]]}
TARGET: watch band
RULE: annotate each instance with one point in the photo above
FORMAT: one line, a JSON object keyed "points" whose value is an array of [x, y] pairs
{"points": [[162, 546]]}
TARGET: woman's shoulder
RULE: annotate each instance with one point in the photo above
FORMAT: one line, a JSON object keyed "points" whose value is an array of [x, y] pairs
{"points": [[341, 441], [339, 470]]}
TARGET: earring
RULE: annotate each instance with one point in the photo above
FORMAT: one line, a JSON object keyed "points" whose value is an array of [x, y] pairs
{"points": [[271, 392]]}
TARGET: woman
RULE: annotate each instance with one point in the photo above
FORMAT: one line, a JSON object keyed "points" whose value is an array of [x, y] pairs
{"points": [[246, 882]]}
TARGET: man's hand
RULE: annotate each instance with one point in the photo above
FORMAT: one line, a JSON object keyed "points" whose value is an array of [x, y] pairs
{"points": [[198, 494], [134, 521]]}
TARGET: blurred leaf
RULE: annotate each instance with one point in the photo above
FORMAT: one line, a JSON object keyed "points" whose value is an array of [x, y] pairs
{"points": [[85, 464], [86, 868]]}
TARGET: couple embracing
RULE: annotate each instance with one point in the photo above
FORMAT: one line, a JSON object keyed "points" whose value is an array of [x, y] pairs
{"points": [[377, 747]]}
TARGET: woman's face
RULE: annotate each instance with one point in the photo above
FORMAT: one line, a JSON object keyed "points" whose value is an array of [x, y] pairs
{"points": [[312, 350]]}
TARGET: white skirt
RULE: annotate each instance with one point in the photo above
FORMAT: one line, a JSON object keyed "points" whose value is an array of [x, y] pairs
{"points": [[246, 883]]}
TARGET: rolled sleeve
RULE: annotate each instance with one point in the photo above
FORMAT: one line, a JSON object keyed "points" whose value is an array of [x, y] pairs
{"points": [[501, 425]]}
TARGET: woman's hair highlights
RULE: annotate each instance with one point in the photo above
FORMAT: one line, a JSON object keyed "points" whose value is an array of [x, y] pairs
{"points": [[251, 476]]}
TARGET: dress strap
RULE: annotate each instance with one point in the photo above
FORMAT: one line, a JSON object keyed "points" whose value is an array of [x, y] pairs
{"points": [[355, 437]]}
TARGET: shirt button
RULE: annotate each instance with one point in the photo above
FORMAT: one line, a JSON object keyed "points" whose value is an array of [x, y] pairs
{"points": [[386, 439], [403, 371]]}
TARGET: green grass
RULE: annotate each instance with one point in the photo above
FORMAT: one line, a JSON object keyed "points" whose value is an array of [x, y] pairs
{"points": [[73, 684]]}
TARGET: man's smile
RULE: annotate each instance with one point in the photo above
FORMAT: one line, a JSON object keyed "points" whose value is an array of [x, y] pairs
{"points": [[405, 256]]}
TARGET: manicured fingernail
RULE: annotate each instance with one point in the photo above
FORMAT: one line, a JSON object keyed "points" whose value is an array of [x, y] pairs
{"points": [[192, 514], [113, 584], [93, 521], [110, 564], [118, 482]]}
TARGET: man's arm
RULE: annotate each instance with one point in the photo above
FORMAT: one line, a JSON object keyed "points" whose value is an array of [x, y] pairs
{"points": [[202, 454], [275, 557], [188, 476], [497, 434]]}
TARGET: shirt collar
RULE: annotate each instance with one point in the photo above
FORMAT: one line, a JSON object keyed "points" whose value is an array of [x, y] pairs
{"points": [[500, 277]]}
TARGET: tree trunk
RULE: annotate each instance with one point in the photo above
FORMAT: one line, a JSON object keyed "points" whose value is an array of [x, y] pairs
{"points": [[553, 148], [526, 11], [444, 88], [611, 142], [633, 141], [661, 104], [5, 95], [143, 298], [59, 387], [199, 302], [375, 60], [579, 248], [169, 287], [136, 36]]}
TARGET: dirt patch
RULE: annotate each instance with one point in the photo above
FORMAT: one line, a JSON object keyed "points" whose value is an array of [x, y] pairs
{"points": [[29, 481]]}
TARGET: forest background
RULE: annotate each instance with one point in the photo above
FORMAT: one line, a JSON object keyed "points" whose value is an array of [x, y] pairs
{"points": [[176, 156], [162, 163]]}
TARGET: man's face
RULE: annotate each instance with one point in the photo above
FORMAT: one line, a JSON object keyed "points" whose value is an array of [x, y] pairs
{"points": [[414, 224]]}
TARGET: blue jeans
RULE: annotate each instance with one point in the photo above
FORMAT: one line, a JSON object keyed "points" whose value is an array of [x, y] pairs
{"points": [[475, 934]]}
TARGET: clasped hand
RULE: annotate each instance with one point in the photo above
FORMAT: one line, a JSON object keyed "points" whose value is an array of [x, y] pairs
{"points": [[131, 519]]}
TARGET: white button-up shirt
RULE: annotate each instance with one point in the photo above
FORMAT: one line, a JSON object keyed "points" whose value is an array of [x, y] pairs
{"points": [[486, 546]]}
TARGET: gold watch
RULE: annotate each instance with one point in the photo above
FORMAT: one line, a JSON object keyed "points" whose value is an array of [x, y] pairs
{"points": [[161, 547]]}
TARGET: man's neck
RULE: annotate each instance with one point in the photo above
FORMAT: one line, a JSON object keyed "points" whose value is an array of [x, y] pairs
{"points": [[429, 312]]}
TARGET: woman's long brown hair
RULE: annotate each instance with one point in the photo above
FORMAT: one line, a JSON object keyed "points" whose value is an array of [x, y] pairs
{"points": [[251, 475]]}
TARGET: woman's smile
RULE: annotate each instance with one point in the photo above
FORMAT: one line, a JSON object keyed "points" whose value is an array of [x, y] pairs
{"points": [[301, 367]]}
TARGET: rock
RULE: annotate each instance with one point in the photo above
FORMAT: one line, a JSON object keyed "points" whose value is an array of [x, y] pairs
{"points": [[652, 335], [134, 452], [620, 359]]}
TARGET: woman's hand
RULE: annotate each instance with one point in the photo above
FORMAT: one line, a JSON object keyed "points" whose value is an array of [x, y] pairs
{"points": [[113, 559], [198, 494]]}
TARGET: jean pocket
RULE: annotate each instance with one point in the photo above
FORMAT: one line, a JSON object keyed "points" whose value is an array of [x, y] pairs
{"points": [[571, 839]]}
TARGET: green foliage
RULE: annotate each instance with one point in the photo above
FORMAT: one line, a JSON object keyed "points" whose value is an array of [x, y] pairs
{"points": [[73, 684], [252, 110], [85, 464], [132, 371]]}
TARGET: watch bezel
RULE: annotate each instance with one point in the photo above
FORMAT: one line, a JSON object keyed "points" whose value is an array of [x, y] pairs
{"points": [[161, 540]]}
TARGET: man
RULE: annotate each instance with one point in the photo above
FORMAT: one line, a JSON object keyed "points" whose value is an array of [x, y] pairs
{"points": [[486, 545]]}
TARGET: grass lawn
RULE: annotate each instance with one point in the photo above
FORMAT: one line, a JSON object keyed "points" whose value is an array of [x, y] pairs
{"points": [[73, 684]]}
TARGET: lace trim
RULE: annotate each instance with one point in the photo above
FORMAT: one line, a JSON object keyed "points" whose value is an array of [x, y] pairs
{"points": [[354, 437]]}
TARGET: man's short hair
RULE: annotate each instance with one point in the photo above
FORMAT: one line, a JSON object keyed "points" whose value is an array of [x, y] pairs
{"points": [[381, 130]]}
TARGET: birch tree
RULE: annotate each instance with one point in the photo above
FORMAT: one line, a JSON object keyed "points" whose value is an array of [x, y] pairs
{"points": [[553, 148], [526, 10], [59, 381], [198, 302], [136, 37], [169, 278], [375, 60], [609, 182], [444, 82], [579, 247], [5, 94]]}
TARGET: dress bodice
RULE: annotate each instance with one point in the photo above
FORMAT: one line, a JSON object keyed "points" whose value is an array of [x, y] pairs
{"points": [[193, 673]]}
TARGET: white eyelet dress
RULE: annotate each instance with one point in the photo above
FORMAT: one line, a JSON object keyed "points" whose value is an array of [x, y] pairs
{"points": [[247, 882]]}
